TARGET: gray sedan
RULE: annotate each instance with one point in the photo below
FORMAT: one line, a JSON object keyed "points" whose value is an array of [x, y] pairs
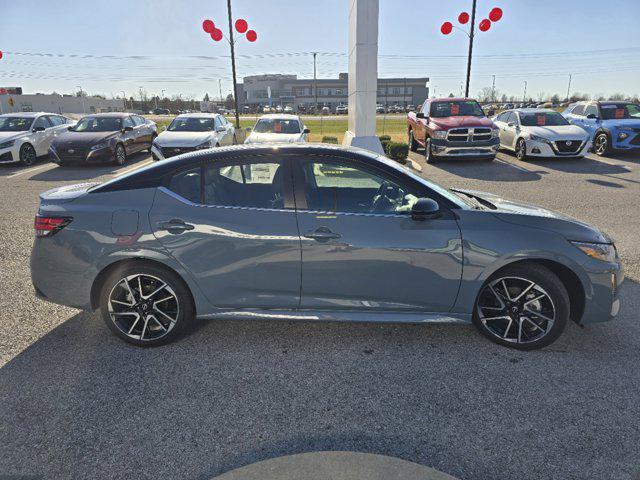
{"points": [[313, 232]]}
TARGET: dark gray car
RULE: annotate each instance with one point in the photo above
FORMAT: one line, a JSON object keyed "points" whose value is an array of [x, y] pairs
{"points": [[314, 232]]}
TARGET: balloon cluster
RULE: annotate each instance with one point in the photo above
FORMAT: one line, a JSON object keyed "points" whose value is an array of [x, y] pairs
{"points": [[241, 27], [494, 15]]}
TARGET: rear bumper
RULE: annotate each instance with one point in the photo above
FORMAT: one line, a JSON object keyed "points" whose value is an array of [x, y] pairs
{"points": [[446, 148]]}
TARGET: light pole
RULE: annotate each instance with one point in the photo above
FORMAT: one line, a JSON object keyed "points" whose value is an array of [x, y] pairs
{"points": [[524, 97], [84, 110], [315, 83], [493, 89], [161, 96], [569, 88]]}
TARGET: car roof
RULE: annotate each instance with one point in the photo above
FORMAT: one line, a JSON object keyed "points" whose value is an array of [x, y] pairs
{"points": [[452, 99], [109, 114], [199, 115], [27, 114], [282, 116], [532, 110]]}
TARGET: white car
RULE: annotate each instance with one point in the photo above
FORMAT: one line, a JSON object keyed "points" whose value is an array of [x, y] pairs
{"points": [[193, 131], [538, 132], [25, 136], [278, 128], [342, 109]]}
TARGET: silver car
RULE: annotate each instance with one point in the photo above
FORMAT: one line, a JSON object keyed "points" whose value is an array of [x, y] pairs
{"points": [[193, 131], [314, 232]]}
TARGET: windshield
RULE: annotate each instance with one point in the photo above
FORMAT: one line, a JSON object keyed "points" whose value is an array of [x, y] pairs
{"points": [[620, 111], [192, 124], [15, 124], [98, 124], [542, 119], [456, 109], [277, 125]]}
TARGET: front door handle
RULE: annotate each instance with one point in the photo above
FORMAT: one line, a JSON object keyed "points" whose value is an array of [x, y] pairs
{"points": [[175, 226], [322, 234]]}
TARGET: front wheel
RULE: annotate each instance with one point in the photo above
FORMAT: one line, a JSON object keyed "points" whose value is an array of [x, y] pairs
{"points": [[428, 152], [27, 154], [602, 144], [413, 144], [120, 155], [523, 307], [521, 150], [146, 305]]}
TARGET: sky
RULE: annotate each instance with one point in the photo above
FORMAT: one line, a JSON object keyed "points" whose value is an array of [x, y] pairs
{"points": [[110, 46]]}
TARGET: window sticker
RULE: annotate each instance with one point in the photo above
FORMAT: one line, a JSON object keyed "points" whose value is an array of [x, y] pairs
{"points": [[277, 127], [455, 109], [619, 113], [541, 120]]}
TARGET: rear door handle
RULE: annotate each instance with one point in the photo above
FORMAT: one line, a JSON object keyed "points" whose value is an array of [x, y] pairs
{"points": [[175, 226], [322, 234]]}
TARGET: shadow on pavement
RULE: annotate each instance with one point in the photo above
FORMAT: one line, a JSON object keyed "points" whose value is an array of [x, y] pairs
{"points": [[604, 183], [80, 403], [579, 165], [86, 172], [496, 171], [7, 169]]}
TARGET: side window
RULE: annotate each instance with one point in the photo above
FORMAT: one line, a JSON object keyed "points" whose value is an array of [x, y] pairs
{"points": [[336, 186], [137, 120], [56, 120], [186, 183], [591, 110], [502, 117], [250, 184], [42, 122], [127, 122], [514, 118], [578, 110], [217, 122]]}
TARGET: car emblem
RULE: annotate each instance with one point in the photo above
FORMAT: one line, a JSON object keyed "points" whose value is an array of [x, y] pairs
{"points": [[569, 143], [71, 150]]}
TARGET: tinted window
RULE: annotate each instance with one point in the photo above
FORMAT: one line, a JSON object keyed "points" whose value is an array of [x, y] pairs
{"points": [[217, 122], [42, 122], [540, 119], [127, 122], [15, 124], [191, 124], [251, 184], [503, 117], [456, 108], [591, 110], [620, 111], [57, 120], [335, 186], [138, 120], [98, 124], [187, 184], [277, 125], [578, 110]]}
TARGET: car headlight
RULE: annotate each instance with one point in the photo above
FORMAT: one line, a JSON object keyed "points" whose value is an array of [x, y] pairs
{"points": [[440, 134], [536, 138], [204, 145], [99, 146], [7, 144], [600, 251], [495, 132]]}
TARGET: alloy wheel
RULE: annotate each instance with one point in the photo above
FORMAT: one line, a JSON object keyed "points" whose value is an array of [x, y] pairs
{"points": [[27, 154], [516, 310], [601, 144], [121, 155], [521, 150], [143, 307]]}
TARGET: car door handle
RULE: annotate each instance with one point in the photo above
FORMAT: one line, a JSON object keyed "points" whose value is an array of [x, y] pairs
{"points": [[175, 226], [322, 234]]}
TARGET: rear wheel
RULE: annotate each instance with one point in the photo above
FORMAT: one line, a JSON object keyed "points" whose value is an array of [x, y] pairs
{"points": [[413, 144], [27, 154], [602, 144], [146, 305], [120, 155], [523, 307], [521, 149]]}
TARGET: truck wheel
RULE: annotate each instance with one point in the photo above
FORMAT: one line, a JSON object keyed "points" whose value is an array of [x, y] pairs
{"points": [[428, 154], [413, 144]]}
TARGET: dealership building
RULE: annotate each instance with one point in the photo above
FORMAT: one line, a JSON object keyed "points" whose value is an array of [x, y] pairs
{"points": [[13, 100], [278, 89]]}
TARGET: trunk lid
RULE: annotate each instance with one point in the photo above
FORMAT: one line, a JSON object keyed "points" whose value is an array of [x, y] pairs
{"points": [[65, 194]]}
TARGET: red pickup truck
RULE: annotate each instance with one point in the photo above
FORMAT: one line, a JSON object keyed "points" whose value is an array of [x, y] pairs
{"points": [[452, 127]]}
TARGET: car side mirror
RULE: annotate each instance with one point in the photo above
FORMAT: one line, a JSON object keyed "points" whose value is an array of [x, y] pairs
{"points": [[127, 129], [306, 130], [220, 129], [38, 129], [70, 128], [592, 116], [491, 112], [163, 128], [511, 124], [420, 115], [248, 129], [425, 209]]}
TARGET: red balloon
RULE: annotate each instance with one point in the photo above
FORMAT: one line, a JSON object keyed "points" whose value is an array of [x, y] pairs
{"points": [[484, 25], [208, 26], [241, 25], [216, 35], [446, 28], [463, 18], [495, 14], [252, 36]]}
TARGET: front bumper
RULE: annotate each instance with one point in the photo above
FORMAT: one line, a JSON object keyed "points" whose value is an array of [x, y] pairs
{"points": [[9, 155], [602, 299], [536, 148], [629, 144], [447, 148], [84, 156]]}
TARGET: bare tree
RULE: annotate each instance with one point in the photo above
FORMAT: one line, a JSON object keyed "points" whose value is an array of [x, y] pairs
{"points": [[486, 94], [618, 96]]}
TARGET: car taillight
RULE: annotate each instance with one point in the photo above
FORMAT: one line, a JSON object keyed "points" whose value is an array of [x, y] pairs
{"points": [[45, 226]]}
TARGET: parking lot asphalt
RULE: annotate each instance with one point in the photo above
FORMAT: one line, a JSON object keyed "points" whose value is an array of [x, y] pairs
{"points": [[75, 402]]}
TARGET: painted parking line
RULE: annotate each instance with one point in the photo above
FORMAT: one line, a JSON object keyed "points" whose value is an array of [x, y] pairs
{"points": [[29, 170], [518, 167], [131, 169]]}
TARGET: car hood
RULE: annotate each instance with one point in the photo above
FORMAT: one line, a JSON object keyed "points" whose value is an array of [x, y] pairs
{"points": [[69, 139], [558, 132], [274, 137], [184, 139], [530, 215], [454, 122], [6, 136]]}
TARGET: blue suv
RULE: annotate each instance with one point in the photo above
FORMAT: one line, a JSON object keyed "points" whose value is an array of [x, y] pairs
{"points": [[614, 126]]}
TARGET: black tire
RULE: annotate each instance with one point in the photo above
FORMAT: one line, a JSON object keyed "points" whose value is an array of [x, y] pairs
{"points": [[119, 155], [602, 144], [429, 157], [27, 154], [545, 280], [413, 144], [182, 306], [521, 150]]}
